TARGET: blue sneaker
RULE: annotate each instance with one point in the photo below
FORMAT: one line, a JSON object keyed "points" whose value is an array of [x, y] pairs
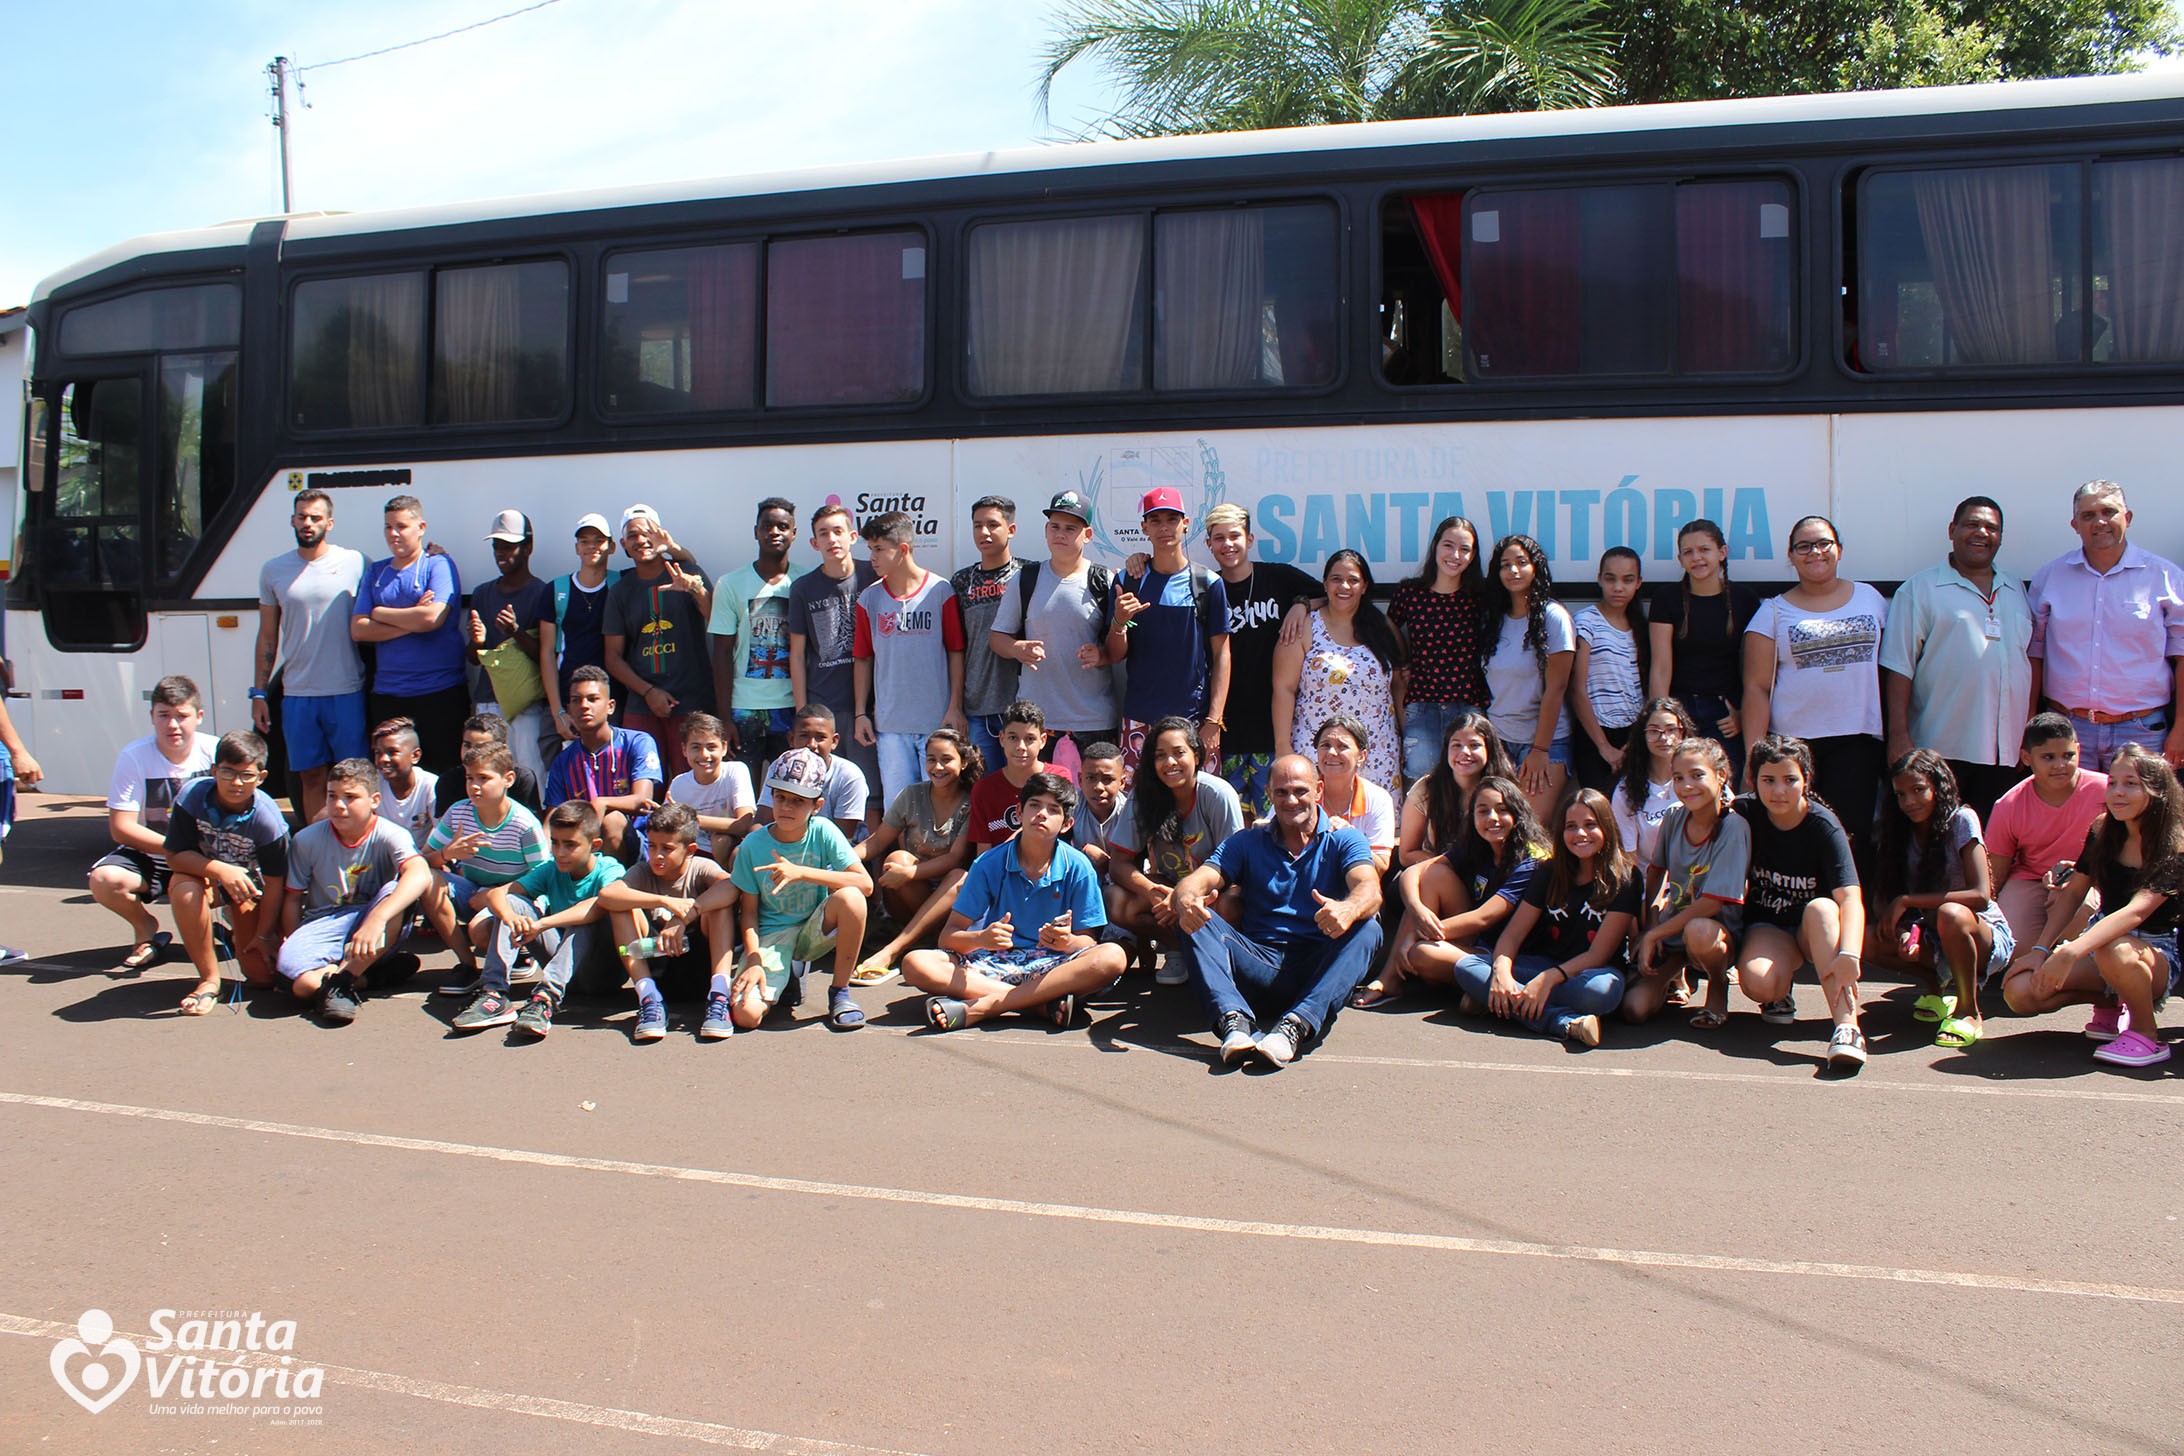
{"points": [[718, 1025], [651, 1020]]}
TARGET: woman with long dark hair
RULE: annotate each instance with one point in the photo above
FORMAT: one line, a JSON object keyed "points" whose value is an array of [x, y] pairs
{"points": [[1179, 813], [1437, 806], [1696, 629], [1353, 666], [1441, 613], [1645, 788], [1528, 668]]}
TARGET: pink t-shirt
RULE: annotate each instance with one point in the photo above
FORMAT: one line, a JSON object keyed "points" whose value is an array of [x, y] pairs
{"points": [[2032, 837]]}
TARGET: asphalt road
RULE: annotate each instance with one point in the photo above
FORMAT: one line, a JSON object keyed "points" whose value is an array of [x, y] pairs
{"points": [[1427, 1235]]}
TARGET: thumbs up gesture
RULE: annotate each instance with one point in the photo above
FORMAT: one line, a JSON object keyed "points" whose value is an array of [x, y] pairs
{"points": [[1000, 935], [1332, 917], [1056, 934]]}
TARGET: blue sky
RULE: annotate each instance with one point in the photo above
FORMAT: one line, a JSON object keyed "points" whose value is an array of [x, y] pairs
{"points": [[128, 118]]}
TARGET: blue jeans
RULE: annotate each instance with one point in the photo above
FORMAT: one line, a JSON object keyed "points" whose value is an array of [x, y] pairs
{"points": [[2098, 742], [564, 951], [1592, 993], [985, 736], [1305, 978], [1425, 729], [902, 763], [1707, 710]]}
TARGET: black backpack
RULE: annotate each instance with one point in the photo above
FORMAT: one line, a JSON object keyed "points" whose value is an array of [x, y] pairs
{"points": [[1098, 580]]}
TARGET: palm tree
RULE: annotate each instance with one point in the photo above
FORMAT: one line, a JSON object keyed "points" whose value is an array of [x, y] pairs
{"points": [[1238, 65]]}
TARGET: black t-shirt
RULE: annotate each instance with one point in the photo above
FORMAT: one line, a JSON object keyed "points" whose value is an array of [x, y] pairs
{"points": [[583, 637], [1257, 605], [2119, 882], [534, 604], [1793, 867], [1566, 931], [1708, 657]]}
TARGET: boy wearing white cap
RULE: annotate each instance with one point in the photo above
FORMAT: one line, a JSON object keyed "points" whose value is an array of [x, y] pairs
{"points": [[656, 636], [577, 635], [517, 607]]}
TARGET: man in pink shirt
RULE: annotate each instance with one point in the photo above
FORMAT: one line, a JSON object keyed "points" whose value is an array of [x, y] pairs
{"points": [[2039, 825], [2107, 630]]}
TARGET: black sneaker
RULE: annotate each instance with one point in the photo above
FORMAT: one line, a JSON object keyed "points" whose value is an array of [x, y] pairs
{"points": [[1846, 1049], [1239, 1035], [1279, 1047], [792, 991], [390, 971], [537, 1016], [338, 999]]}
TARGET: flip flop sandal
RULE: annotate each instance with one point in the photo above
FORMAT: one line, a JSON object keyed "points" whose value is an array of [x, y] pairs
{"points": [[199, 1003], [1957, 1031], [1062, 1010], [1706, 1018], [871, 973], [1369, 995], [943, 1013], [1933, 1007], [149, 953]]}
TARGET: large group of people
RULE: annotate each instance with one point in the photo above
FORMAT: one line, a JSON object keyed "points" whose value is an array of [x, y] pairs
{"points": [[1014, 787]]}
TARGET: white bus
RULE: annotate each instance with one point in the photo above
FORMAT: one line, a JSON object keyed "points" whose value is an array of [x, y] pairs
{"points": [[1589, 326]]}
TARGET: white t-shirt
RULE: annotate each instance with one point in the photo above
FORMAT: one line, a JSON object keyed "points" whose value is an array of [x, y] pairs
{"points": [[1515, 682], [1642, 830], [1827, 665], [728, 795], [145, 781], [1371, 812], [413, 813]]}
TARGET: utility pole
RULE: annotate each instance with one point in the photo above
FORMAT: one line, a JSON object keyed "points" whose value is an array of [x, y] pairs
{"points": [[279, 71]]}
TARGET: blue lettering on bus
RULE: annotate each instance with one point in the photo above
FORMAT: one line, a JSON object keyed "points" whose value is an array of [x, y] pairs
{"points": [[1270, 524]]}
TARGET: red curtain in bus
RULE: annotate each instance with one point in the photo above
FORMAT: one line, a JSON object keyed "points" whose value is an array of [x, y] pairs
{"points": [[845, 320], [1526, 286], [1728, 268], [1439, 218], [722, 294]]}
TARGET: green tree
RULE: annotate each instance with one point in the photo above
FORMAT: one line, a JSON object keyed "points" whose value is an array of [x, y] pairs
{"points": [[1237, 65]]}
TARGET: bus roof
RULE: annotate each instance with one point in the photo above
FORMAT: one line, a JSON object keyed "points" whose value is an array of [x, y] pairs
{"points": [[1855, 106]]}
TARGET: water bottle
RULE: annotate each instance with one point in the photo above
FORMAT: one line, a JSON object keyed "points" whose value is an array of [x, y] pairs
{"points": [[643, 948]]}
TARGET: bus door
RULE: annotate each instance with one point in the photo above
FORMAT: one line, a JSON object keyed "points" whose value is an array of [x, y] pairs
{"points": [[86, 523]]}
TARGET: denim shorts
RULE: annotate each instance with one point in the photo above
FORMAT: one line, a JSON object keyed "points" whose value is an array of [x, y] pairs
{"points": [[2164, 944]]}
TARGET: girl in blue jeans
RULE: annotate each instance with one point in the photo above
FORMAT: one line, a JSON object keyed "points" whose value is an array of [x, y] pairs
{"points": [[1558, 966]]}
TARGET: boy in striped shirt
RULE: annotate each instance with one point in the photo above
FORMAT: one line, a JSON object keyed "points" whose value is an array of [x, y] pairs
{"points": [[485, 839]]}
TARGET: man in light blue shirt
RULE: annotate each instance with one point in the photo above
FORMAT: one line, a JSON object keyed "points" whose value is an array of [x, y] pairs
{"points": [[1955, 672], [1309, 927]]}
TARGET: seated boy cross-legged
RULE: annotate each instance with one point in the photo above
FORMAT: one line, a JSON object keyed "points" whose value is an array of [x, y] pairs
{"points": [[658, 902], [1023, 935], [550, 911], [225, 840], [801, 891], [352, 878], [485, 838]]}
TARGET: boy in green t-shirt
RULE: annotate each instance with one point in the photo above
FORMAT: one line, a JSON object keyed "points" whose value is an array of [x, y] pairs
{"points": [[801, 891], [566, 889]]}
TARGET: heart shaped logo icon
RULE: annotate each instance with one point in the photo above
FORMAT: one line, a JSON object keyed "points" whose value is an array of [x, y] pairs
{"points": [[95, 1386]]}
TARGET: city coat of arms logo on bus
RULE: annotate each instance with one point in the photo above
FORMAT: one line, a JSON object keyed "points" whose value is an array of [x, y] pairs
{"points": [[1119, 478]]}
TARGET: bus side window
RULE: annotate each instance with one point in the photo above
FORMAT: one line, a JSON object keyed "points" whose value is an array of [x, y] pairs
{"points": [[196, 454], [91, 538]]}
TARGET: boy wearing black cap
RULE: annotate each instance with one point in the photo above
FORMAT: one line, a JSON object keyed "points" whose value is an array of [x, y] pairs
{"points": [[516, 606]]}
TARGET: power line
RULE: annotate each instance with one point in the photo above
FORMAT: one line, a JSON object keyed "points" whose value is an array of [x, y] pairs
{"points": [[426, 40]]}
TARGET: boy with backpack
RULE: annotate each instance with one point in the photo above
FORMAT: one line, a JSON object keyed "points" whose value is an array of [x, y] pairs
{"points": [[1054, 626], [1170, 626]]}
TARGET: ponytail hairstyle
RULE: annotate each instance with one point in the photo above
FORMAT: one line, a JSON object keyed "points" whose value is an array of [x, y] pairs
{"points": [[1374, 631], [974, 762], [1526, 836], [1499, 601], [2161, 826], [1704, 527], [1636, 780], [1448, 807], [1899, 836], [1611, 867], [1151, 800]]}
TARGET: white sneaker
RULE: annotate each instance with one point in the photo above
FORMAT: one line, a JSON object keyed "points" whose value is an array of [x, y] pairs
{"points": [[1280, 1046]]}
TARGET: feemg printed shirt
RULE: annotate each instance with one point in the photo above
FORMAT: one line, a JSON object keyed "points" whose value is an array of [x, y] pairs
{"points": [[1827, 664], [908, 640]]}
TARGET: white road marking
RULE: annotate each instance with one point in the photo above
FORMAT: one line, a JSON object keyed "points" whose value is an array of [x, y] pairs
{"points": [[1188, 1223], [507, 1402], [1592, 1066]]}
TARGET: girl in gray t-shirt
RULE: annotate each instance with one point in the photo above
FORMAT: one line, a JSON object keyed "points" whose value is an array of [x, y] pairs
{"points": [[1695, 878]]}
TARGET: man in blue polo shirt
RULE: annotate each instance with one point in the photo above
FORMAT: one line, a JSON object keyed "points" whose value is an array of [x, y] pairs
{"points": [[1023, 934], [1309, 927]]}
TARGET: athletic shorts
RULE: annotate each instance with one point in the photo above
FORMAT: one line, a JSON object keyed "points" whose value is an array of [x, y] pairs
{"points": [[779, 951], [322, 731], [153, 872]]}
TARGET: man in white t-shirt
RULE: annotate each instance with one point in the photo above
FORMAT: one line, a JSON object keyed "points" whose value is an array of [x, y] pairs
{"points": [[147, 776]]}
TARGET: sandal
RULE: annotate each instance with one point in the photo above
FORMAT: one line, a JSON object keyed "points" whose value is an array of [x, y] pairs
{"points": [[1369, 995], [1958, 1031], [1062, 1010], [1934, 1007], [871, 973], [148, 953], [1706, 1018], [943, 1013], [200, 1003]]}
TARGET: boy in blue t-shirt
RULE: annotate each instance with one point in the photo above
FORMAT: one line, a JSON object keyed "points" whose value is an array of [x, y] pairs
{"points": [[1023, 934], [800, 891], [1170, 626], [615, 770], [225, 840], [566, 889]]}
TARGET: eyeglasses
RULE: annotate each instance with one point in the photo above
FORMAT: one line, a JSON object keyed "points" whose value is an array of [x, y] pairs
{"points": [[1812, 548]]}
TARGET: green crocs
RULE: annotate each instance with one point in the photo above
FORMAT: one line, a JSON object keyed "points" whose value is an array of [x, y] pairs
{"points": [[1934, 1007]]}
